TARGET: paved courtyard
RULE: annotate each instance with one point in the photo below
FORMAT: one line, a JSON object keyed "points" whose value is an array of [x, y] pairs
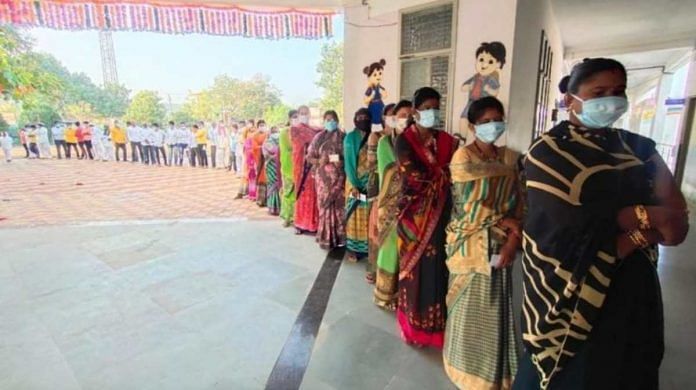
{"points": [[121, 276]]}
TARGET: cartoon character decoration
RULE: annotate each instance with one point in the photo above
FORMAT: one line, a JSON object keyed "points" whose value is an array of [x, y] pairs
{"points": [[375, 93], [490, 59]]}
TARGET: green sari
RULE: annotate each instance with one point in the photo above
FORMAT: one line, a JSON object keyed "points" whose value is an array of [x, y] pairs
{"points": [[385, 294], [287, 200], [357, 174]]}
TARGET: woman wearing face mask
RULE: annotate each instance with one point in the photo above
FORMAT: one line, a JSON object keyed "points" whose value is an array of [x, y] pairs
{"points": [[373, 191], [423, 155], [599, 201], [306, 214], [325, 153], [387, 208], [257, 141], [482, 240], [271, 159], [250, 163], [357, 173]]}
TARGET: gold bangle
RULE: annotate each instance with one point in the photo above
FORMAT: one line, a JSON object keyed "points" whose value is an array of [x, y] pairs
{"points": [[642, 215], [638, 239]]}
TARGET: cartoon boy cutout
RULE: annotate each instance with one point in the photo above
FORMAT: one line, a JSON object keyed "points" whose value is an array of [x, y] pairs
{"points": [[490, 59], [375, 93]]}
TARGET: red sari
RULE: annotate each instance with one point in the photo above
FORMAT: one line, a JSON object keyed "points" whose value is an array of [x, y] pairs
{"points": [[306, 211], [424, 212]]}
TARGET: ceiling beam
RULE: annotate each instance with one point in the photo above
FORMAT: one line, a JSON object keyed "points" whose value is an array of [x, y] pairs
{"points": [[688, 41]]}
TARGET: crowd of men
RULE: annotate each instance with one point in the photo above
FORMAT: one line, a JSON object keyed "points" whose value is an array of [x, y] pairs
{"points": [[213, 145]]}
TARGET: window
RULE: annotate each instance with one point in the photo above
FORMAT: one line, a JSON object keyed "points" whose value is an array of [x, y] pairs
{"points": [[427, 51], [543, 86]]}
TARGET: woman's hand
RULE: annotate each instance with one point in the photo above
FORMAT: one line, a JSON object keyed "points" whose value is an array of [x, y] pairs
{"points": [[511, 225], [323, 160], [672, 224], [507, 255]]}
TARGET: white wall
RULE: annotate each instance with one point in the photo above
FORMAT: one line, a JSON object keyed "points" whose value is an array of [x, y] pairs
{"points": [[532, 17], [477, 22], [363, 46]]}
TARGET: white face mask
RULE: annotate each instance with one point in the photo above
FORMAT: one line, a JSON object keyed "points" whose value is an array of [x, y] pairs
{"points": [[304, 119], [401, 124]]}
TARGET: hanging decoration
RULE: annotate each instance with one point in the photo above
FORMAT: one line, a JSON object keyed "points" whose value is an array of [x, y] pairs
{"points": [[168, 18]]}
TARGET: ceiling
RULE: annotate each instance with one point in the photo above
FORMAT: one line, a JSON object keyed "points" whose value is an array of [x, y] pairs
{"points": [[597, 27], [262, 4]]}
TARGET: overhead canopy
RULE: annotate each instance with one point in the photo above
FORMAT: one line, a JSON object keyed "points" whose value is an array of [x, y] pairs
{"points": [[170, 17]]}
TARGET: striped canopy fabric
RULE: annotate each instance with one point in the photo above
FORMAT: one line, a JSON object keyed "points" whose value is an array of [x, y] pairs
{"points": [[168, 18]]}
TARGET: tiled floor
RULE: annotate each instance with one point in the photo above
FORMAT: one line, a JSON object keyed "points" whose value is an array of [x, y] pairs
{"points": [[147, 299], [54, 192]]}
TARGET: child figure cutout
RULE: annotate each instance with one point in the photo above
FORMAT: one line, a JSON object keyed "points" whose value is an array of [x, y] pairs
{"points": [[375, 93], [490, 59]]}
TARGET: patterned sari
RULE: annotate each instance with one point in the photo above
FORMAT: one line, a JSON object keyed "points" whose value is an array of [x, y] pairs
{"points": [[330, 181], [257, 142], [590, 320], [287, 200], [355, 153], [387, 211], [272, 164], [480, 349], [424, 209], [306, 212], [250, 166], [242, 168]]}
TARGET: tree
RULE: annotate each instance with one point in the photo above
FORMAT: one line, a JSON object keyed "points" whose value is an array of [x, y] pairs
{"points": [[233, 98], [146, 107], [180, 116], [81, 111], [330, 69], [277, 115]]}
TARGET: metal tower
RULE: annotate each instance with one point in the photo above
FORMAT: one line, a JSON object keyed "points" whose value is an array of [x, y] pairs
{"points": [[108, 58]]}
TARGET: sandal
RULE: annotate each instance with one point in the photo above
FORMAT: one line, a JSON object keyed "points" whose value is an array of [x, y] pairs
{"points": [[370, 278]]}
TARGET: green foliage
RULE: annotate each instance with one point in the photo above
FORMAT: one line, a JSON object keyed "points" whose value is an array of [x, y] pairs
{"points": [[39, 108], [3, 124], [330, 69], [179, 116], [146, 107], [233, 98], [277, 115]]}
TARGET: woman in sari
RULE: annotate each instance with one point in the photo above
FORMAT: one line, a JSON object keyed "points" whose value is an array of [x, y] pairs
{"points": [[272, 164], [250, 164], [287, 201], [387, 209], [373, 192], [242, 166], [599, 200], [355, 153], [423, 156], [306, 215], [257, 150], [482, 240], [325, 153]]}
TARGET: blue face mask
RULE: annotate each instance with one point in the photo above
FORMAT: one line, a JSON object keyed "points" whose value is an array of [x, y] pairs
{"points": [[489, 132], [601, 112], [331, 125], [429, 118]]}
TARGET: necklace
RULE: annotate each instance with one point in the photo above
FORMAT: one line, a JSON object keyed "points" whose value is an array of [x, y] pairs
{"points": [[483, 155]]}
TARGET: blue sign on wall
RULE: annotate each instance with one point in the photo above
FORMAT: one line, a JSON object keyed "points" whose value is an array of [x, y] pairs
{"points": [[675, 102]]}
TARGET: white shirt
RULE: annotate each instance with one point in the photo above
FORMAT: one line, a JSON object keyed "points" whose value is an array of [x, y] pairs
{"points": [[6, 142], [182, 136], [146, 135], [158, 137], [43, 135], [212, 136], [170, 136], [134, 134], [58, 133]]}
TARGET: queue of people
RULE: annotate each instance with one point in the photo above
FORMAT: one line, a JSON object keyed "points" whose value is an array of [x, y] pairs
{"points": [[439, 224]]}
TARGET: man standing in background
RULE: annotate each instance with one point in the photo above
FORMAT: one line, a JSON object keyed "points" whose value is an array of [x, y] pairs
{"points": [[170, 141], [32, 138], [133, 133], [213, 141], [147, 157], [58, 133], [23, 141], [158, 145], [118, 137], [44, 142]]}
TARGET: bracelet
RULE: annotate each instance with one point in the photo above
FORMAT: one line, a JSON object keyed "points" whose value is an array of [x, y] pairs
{"points": [[642, 216], [638, 239]]}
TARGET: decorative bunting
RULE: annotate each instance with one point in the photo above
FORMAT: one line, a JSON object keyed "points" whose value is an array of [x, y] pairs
{"points": [[168, 18]]}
